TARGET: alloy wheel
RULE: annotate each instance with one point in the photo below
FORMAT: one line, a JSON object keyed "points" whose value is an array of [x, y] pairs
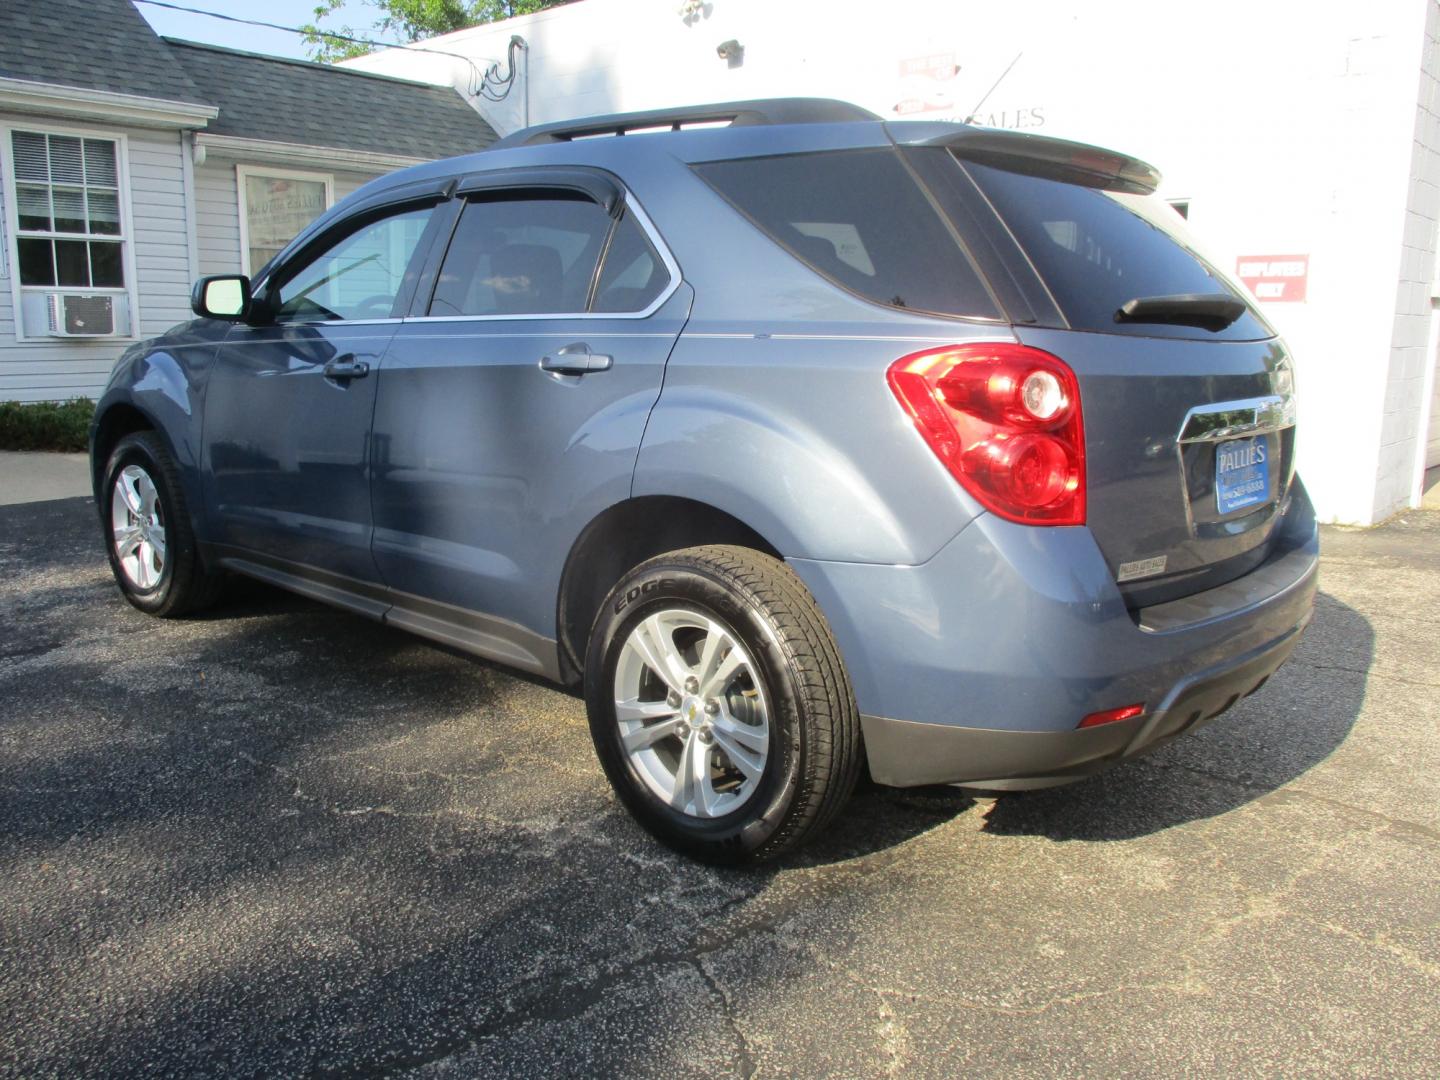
{"points": [[138, 528], [692, 711]]}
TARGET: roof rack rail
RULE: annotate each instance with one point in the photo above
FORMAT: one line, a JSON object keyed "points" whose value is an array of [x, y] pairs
{"points": [[760, 111]]}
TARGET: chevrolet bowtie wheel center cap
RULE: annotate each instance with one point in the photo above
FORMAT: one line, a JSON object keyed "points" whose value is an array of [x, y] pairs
{"points": [[693, 710]]}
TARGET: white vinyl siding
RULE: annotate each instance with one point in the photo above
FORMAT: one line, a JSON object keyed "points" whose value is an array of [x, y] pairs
{"points": [[155, 227], [217, 218], [162, 262]]}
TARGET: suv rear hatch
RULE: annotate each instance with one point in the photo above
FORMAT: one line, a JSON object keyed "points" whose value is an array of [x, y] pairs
{"points": [[1188, 427], [1186, 391]]}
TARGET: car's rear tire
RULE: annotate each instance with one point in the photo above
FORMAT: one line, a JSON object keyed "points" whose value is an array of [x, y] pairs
{"points": [[148, 532], [719, 706]]}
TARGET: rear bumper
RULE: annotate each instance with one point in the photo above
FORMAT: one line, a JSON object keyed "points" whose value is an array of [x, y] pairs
{"points": [[906, 754], [977, 667]]}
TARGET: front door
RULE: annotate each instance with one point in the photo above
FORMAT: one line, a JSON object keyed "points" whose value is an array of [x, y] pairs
{"points": [[289, 404], [510, 411]]}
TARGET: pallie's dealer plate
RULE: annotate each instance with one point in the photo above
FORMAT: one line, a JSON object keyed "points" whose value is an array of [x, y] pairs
{"points": [[1242, 474]]}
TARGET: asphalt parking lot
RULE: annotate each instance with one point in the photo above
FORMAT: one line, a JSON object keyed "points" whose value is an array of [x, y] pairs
{"points": [[279, 840]]}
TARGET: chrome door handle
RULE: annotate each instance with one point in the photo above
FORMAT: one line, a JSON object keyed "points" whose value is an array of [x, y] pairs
{"points": [[575, 359], [346, 367]]}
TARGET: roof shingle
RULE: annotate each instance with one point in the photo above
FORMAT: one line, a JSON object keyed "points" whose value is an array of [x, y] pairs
{"points": [[295, 101], [107, 45], [95, 44]]}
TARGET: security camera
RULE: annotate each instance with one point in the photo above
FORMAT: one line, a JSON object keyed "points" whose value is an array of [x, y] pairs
{"points": [[730, 50]]}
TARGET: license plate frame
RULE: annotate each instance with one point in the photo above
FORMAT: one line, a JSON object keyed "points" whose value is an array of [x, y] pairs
{"points": [[1242, 474]]}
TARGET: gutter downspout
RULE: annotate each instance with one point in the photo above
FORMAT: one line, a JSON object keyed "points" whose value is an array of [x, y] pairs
{"points": [[191, 154]]}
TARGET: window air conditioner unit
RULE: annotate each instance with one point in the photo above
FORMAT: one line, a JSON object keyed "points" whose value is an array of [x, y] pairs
{"points": [[72, 315]]}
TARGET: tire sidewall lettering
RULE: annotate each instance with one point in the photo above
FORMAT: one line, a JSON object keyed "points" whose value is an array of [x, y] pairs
{"points": [[642, 590]]}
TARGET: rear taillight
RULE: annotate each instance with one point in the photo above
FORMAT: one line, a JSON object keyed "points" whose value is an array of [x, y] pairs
{"points": [[1005, 420]]}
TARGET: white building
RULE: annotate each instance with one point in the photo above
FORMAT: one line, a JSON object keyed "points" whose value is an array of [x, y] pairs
{"points": [[1303, 136]]}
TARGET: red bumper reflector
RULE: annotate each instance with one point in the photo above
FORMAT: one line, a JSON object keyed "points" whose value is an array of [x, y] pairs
{"points": [[1109, 716]]}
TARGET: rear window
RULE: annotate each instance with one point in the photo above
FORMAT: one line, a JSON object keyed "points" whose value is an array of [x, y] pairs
{"points": [[858, 218], [1098, 249]]}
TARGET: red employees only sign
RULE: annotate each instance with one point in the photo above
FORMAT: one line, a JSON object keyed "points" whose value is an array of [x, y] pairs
{"points": [[1274, 277]]}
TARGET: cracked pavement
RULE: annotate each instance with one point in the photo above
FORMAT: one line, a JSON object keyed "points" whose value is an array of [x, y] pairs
{"points": [[280, 840]]}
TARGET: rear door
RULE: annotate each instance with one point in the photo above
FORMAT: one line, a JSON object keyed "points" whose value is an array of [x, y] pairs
{"points": [[1189, 424], [512, 404]]}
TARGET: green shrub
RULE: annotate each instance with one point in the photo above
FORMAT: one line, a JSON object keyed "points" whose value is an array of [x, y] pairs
{"points": [[46, 425]]}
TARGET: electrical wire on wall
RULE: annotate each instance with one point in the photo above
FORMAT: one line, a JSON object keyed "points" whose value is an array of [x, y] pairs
{"points": [[497, 87], [488, 84]]}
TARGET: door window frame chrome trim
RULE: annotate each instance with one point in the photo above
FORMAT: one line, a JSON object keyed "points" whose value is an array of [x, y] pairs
{"points": [[672, 268]]}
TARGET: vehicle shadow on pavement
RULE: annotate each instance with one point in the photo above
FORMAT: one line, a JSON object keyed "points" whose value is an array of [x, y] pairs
{"points": [[876, 818], [1296, 721]]}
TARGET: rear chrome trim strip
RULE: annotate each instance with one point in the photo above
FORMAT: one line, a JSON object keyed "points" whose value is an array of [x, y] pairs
{"points": [[1234, 419]]}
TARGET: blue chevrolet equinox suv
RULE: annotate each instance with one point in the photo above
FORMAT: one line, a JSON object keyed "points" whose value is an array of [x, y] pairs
{"points": [[804, 441]]}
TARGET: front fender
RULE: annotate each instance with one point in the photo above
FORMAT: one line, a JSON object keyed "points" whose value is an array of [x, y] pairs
{"points": [[163, 380]]}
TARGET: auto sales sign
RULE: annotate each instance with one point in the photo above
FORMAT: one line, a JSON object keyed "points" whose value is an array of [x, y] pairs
{"points": [[1274, 277]]}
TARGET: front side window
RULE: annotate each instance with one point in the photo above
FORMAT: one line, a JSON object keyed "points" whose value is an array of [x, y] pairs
{"points": [[522, 256], [67, 194], [275, 207], [358, 276]]}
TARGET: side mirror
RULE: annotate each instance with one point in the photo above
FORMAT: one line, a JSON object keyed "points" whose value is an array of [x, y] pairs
{"points": [[224, 296]]}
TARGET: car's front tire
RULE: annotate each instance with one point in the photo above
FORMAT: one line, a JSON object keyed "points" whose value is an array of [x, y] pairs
{"points": [[148, 533], [719, 706]]}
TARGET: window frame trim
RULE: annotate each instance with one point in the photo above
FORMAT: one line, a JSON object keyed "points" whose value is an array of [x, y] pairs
{"points": [[8, 185], [421, 303], [242, 171]]}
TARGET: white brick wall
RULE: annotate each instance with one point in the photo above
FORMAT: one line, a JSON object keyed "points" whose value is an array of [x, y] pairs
{"points": [[1425, 201], [1410, 375]]}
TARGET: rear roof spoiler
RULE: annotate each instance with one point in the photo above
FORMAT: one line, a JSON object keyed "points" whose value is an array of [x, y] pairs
{"points": [[1060, 159], [737, 113]]}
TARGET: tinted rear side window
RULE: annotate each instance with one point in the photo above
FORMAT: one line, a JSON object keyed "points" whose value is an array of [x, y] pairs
{"points": [[858, 218], [521, 256], [1098, 249], [633, 274]]}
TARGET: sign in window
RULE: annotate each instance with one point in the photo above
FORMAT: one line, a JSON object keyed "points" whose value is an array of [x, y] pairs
{"points": [[276, 206]]}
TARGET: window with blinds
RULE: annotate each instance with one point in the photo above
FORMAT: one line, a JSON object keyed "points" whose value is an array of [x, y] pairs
{"points": [[67, 195]]}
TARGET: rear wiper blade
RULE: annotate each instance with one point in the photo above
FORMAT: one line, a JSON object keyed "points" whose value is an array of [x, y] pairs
{"points": [[1208, 311]]}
